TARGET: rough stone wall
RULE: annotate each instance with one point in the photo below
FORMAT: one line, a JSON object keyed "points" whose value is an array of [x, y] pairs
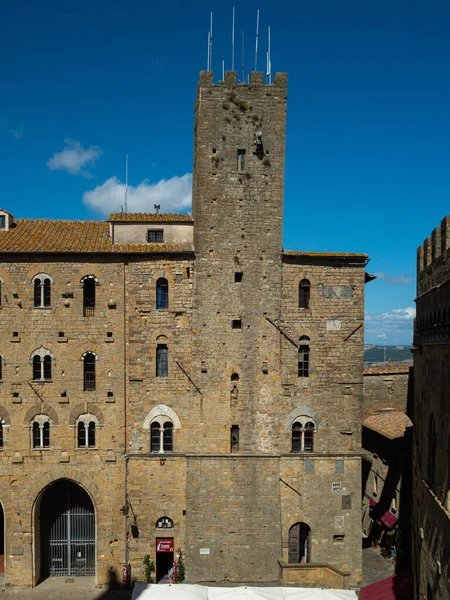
{"points": [[431, 494], [24, 472], [385, 390]]}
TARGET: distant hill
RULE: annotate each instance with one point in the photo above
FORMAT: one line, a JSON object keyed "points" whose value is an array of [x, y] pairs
{"points": [[375, 354]]}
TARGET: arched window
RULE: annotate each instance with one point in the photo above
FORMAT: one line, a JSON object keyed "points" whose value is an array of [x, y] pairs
{"points": [[304, 292], [40, 432], [42, 291], [162, 293], [304, 356], [86, 426], [164, 523], [89, 371], [42, 365], [161, 435], [89, 282], [300, 543], [234, 377], [432, 440], [303, 430], [162, 360], [234, 438]]}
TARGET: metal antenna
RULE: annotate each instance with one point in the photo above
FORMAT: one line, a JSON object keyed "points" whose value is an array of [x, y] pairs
{"points": [[269, 62], [256, 44], [126, 183], [210, 43], [207, 55], [223, 70], [243, 63], [232, 44]]}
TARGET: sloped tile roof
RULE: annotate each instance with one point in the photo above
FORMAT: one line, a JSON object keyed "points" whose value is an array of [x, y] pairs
{"points": [[151, 217], [388, 369], [46, 235], [390, 423], [324, 254]]}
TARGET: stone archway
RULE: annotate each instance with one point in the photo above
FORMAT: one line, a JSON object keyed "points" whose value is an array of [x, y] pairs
{"points": [[65, 532]]}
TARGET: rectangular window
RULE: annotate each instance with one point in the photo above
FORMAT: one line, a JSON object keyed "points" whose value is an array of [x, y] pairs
{"points": [[234, 438], [2, 222], [238, 276], [336, 487], [155, 236], [303, 361], [236, 324], [241, 160], [162, 361]]}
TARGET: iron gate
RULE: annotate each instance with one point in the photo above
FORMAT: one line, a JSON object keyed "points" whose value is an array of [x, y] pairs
{"points": [[67, 531]]}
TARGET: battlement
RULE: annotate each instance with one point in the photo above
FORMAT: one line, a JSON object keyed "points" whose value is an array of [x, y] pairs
{"points": [[231, 80], [433, 258]]}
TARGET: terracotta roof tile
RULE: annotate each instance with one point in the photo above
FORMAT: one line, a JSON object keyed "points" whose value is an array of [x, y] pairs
{"points": [[324, 254], [46, 235], [144, 217], [390, 423], [391, 368]]}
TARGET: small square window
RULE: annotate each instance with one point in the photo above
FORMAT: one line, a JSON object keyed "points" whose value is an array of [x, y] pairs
{"points": [[241, 159], [110, 394], [109, 334], [2, 222], [15, 334], [60, 333], [155, 236], [236, 324], [238, 276]]}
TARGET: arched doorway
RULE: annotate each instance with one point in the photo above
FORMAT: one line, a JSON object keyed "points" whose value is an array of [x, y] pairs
{"points": [[300, 543], [65, 532]]}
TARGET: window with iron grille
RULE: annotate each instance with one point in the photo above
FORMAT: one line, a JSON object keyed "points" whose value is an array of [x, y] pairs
{"points": [[162, 293], [304, 356], [89, 371], [304, 290], [162, 360], [89, 283], [155, 236]]}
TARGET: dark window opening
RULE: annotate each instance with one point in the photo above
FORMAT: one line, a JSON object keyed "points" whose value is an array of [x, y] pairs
{"points": [[46, 435], [304, 291], [309, 437], [155, 236], [15, 334], [36, 367], [162, 360], [164, 523], [2, 222], [1, 434], [41, 435], [47, 367], [234, 438], [60, 333], [234, 377], [188, 272], [47, 284], [297, 437], [81, 435], [91, 434], [109, 334], [36, 435], [37, 293], [168, 437], [236, 324], [299, 543], [42, 368], [89, 372], [110, 394], [155, 437], [241, 159], [162, 293], [303, 358], [1, 368], [89, 297], [238, 276]]}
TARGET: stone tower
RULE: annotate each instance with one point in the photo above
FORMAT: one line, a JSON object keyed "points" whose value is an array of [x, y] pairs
{"points": [[239, 156]]}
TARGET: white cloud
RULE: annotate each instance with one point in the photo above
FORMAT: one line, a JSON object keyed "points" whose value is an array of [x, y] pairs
{"points": [[397, 324], [74, 158], [173, 195], [395, 279]]}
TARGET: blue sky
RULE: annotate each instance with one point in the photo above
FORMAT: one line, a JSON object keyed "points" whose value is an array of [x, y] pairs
{"points": [[367, 170]]}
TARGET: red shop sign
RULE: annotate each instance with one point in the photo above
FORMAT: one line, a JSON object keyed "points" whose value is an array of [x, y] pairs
{"points": [[164, 544]]}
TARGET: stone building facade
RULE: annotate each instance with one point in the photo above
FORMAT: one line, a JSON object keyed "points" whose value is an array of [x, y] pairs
{"points": [[198, 387], [431, 417]]}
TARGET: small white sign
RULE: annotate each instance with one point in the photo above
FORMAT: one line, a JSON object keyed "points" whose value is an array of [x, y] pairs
{"points": [[333, 325], [204, 550]]}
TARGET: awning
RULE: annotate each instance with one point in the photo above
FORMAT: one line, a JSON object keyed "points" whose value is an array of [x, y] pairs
{"points": [[397, 587], [372, 502]]}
